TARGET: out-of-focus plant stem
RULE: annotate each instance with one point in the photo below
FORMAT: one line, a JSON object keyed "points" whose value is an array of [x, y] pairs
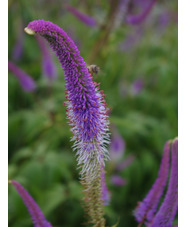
{"points": [[105, 31]]}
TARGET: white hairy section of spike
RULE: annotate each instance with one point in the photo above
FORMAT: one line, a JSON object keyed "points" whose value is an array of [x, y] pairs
{"points": [[92, 154]]}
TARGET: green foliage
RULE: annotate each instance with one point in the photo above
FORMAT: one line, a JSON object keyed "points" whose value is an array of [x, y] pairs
{"points": [[40, 154]]}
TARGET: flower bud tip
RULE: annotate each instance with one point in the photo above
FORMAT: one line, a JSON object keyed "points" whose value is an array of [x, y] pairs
{"points": [[29, 31]]}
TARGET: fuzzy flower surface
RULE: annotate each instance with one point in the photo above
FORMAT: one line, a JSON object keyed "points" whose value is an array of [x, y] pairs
{"points": [[26, 82], [34, 210]]}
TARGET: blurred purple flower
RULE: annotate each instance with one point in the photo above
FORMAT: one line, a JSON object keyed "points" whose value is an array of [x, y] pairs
{"points": [[105, 192], [124, 164], [117, 180], [166, 214], [121, 12], [117, 147], [137, 86], [34, 210], [137, 19], [26, 82], [131, 40], [147, 208], [18, 47], [90, 21], [49, 67]]}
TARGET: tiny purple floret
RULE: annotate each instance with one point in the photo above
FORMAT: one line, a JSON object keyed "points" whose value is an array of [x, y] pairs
{"points": [[26, 82], [34, 210]]}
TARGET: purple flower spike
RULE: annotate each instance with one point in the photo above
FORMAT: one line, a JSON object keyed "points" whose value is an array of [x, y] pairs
{"points": [[34, 210], [118, 181], [26, 82], [87, 114], [168, 209], [81, 16], [49, 68], [147, 208], [137, 19], [86, 107]]}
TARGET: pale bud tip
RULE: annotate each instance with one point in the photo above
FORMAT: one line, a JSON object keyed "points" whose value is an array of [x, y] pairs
{"points": [[29, 31]]}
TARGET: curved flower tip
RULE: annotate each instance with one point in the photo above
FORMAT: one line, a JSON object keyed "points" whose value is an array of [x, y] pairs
{"points": [[26, 82], [34, 210], [137, 19], [29, 31], [81, 16]]}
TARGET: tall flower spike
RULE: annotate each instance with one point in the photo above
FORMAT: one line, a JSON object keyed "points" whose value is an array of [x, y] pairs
{"points": [[49, 68], [34, 210], [147, 208], [26, 82], [86, 111], [137, 19], [168, 209]]}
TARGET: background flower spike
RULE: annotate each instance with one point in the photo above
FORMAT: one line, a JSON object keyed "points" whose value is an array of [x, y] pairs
{"points": [[138, 19], [86, 19], [34, 210], [26, 82], [48, 65], [166, 214], [147, 208]]}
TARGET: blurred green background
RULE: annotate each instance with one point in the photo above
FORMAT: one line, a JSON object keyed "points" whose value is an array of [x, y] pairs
{"points": [[40, 154]]}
